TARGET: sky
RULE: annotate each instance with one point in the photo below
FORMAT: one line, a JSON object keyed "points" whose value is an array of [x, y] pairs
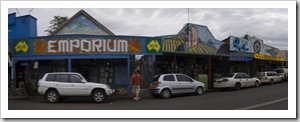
{"points": [[268, 24]]}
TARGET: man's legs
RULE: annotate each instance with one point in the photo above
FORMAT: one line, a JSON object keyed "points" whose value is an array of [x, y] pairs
{"points": [[137, 92]]}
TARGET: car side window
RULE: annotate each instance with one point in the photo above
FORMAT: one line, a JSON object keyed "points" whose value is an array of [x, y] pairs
{"points": [[169, 78], [183, 78], [246, 75], [62, 78], [75, 78], [180, 77], [238, 76], [50, 77], [269, 74]]}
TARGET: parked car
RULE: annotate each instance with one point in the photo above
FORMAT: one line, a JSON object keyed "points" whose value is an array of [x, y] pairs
{"points": [[236, 81], [166, 85], [283, 72], [55, 86], [268, 77]]}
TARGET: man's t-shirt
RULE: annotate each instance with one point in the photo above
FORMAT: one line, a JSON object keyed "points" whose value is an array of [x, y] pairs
{"points": [[135, 79]]}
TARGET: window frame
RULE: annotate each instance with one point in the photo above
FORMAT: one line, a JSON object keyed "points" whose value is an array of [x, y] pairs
{"points": [[70, 78], [169, 76]]}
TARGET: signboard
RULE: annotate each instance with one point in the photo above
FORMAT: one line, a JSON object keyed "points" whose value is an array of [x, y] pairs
{"points": [[61, 45], [153, 46], [240, 58], [267, 57]]}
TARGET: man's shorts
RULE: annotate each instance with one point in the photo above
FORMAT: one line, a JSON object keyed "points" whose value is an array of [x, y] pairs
{"points": [[135, 89]]}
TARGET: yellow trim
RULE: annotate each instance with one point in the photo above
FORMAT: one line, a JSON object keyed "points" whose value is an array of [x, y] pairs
{"points": [[267, 57]]}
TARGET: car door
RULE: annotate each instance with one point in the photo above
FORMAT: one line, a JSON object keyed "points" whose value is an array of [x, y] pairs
{"points": [[276, 77], [239, 77], [170, 81], [62, 84], [249, 80], [78, 88], [185, 84]]}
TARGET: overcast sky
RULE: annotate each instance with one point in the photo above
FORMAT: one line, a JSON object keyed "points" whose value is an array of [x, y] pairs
{"points": [[270, 25]]}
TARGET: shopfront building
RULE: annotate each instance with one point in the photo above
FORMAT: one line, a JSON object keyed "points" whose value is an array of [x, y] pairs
{"points": [[101, 57], [195, 52]]}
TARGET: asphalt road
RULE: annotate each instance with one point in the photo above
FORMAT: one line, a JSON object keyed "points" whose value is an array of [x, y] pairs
{"points": [[267, 97]]}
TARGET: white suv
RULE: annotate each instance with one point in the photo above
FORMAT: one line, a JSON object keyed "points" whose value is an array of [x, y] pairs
{"points": [[56, 85]]}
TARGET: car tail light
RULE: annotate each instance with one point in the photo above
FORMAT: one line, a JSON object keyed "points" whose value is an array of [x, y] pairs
{"points": [[158, 83]]}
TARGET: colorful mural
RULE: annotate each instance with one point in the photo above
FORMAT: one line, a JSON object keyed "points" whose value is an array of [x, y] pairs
{"points": [[251, 45], [88, 45], [284, 54], [192, 39], [268, 50], [82, 25]]}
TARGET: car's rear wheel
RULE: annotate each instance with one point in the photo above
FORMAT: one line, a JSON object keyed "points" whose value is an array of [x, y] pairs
{"points": [[256, 84], [237, 86], [98, 96], [52, 96], [165, 93], [199, 91], [271, 81]]}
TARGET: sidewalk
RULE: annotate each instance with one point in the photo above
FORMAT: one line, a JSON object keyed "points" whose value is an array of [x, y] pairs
{"points": [[144, 93]]}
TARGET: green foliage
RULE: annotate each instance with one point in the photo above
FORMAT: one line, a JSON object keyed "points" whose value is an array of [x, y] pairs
{"points": [[56, 23]]}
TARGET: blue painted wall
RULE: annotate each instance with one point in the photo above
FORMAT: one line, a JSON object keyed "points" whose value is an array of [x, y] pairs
{"points": [[23, 26]]}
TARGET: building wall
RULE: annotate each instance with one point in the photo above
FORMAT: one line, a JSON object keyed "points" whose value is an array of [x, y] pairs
{"points": [[23, 26], [82, 25]]}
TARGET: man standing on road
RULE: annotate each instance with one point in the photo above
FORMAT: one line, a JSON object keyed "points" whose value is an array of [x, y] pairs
{"points": [[135, 83]]}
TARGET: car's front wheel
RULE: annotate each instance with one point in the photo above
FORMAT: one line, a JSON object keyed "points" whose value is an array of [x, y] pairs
{"points": [[98, 96], [199, 90], [52, 96], [237, 86], [256, 84], [271, 82], [165, 93]]}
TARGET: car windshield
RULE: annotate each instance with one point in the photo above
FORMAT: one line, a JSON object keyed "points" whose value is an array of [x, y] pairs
{"points": [[155, 79], [229, 75], [259, 74], [279, 70]]}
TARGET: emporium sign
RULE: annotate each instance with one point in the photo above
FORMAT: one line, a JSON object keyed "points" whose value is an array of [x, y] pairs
{"points": [[102, 45], [267, 57]]}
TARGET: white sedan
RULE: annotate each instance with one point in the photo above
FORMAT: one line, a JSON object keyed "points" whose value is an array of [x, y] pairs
{"points": [[236, 81]]}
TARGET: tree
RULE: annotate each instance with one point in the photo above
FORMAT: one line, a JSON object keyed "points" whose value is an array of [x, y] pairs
{"points": [[56, 23]]}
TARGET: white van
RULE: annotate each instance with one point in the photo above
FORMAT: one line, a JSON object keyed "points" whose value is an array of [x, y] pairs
{"points": [[283, 72]]}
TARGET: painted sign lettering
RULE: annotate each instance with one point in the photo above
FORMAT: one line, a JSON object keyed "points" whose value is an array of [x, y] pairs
{"points": [[86, 46], [267, 57]]}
